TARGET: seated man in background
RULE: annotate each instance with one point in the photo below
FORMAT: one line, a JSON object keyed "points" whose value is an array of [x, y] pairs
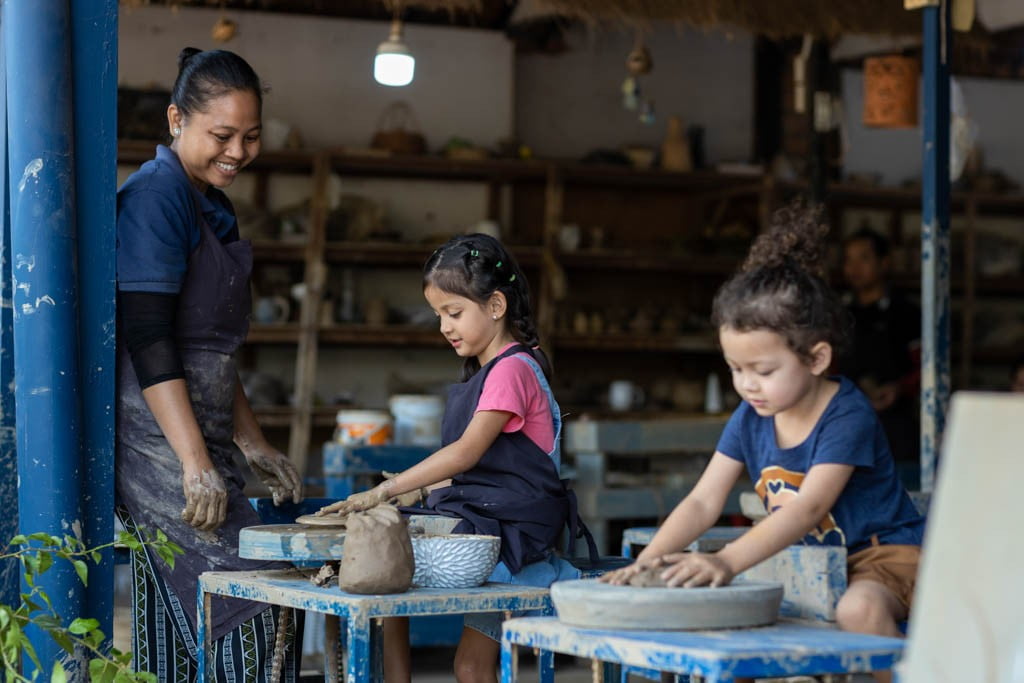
{"points": [[884, 357]]}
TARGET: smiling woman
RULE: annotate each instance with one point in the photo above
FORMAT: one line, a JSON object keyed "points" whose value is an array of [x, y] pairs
{"points": [[183, 306]]}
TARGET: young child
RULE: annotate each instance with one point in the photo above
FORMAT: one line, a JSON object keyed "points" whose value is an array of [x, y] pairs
{"points": [[500, 437], [812, 443]]}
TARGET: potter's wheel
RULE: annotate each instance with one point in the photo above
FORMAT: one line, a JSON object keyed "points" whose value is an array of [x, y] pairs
{"points": [[307, 543], [291, 542], [590, 604]]}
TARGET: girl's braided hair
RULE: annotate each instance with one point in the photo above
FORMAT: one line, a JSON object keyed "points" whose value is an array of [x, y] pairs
{"points": [[782, 286], [476, 266]]}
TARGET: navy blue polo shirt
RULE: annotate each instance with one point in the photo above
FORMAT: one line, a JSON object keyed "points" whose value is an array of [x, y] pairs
{"points": [[157, 225]]}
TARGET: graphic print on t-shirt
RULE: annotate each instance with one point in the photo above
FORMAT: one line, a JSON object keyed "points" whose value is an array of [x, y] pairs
{"points": [[776, 486]]}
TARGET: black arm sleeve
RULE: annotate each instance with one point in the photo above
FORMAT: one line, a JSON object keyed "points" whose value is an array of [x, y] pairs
{"points": [[147, 323]]}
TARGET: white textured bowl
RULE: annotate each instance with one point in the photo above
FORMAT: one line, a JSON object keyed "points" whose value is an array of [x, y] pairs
{"points": [[454, 560]]}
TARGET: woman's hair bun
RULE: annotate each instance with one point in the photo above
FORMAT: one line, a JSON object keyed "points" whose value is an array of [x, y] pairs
{"points": [[185, 55]]}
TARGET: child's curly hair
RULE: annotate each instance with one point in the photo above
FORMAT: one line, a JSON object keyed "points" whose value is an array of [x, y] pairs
{"points": [[781, 286]]}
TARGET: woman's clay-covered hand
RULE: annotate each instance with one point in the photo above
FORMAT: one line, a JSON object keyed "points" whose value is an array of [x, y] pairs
{"points": [[364, 500], [206, 498], [690, 570], [621, 577], [276, 472], [404, 500]]}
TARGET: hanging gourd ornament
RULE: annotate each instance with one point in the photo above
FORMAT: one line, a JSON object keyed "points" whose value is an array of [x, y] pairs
{"points": [[638, 62]]}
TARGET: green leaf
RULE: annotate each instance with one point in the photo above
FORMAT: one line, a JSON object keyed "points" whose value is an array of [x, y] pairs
{"points": [[97, 557], [82, 570], [45, 561], [82, 626], [31, 564], [27, 648], [146, 677], [5, 616], [41, 536], [20, 539], [133, 543], [64, 640], [57, 674], [48, 622], [161, 536], [166, 555], [26, 600], [95, 638]]}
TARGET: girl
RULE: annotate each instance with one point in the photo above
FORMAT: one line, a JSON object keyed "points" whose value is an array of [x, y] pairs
{"points": [[812, 443], [183, 305], [500, 437]]}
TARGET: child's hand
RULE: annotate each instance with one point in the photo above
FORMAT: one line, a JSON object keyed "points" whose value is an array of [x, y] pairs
{"points": [[621, 577], [357, 502], [409, 499], [690, 570]]}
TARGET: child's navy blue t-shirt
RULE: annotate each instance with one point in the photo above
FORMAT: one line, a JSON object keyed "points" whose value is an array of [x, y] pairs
{"points": [[157, 226], [874, 501]]}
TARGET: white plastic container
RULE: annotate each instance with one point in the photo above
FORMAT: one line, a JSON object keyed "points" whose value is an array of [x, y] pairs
{"points": [[363, 428], [417, 419]]}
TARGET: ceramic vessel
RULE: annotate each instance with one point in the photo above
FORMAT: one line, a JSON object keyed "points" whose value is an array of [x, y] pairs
{"points": [[742, 604], [675, 150], [454, 560]]}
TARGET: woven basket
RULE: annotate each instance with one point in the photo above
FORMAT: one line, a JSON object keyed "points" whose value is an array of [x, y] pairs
{"points": [[398, 132]]}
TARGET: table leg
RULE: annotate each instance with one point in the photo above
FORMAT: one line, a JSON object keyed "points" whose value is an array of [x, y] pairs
{"points": [[357, 665], [377, 648], [509, 662], [203, 620], [546, 665], [332, 648]]}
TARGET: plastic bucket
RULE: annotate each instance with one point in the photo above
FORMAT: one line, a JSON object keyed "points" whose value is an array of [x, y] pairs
{"points": [[417, 419], [363, 428]]}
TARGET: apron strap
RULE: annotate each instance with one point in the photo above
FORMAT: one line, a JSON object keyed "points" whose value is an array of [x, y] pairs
{"points": [[577, 528]]}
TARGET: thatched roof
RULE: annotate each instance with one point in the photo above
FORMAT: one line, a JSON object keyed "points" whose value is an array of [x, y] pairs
{"points": [[776, 18]]}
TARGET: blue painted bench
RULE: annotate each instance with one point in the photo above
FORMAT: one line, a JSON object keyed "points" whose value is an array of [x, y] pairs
{"points": [[785, 649], [362, 614]]}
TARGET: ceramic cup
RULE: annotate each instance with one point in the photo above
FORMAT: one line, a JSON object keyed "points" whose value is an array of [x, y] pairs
{"points": [[624, 395], [269, 310]]}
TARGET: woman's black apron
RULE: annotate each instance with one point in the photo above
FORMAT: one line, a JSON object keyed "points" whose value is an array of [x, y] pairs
{"points": [[212, 322], [514, 492]]}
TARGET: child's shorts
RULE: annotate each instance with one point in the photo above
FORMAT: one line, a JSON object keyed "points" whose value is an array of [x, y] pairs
{"points": [[541, 574], [893, 566]]}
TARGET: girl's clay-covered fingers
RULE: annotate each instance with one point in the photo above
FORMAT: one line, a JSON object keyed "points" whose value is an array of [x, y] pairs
{"points": [[679, 573], [333, 508], [621, 576]]}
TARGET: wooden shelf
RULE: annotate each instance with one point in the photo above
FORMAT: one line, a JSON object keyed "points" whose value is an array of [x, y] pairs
{"points": [[281, 416], [617, 259], [984, 286], [402, 254], [285, 161], [281, 333], [694, 343], [278, 251], [439, 168], [626, 176], [382, 335]]}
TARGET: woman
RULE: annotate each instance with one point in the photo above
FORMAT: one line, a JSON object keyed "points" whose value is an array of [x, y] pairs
{"points": [[184, 303]]}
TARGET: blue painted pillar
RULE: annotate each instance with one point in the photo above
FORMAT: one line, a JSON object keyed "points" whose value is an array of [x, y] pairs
{"points": [[935, 259], [94, 71], [9, 574], [41, 179]]}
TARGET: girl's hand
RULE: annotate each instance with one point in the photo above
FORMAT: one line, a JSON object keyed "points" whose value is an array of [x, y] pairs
{"points": [[690, 570], [276, 472], [408, 499], [206, 497], [621, 577], [357, 502]]}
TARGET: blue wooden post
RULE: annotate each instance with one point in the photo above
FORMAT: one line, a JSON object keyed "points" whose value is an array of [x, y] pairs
{"points": [[935, 259], [94, 53], [41, 180], [9, 581]]}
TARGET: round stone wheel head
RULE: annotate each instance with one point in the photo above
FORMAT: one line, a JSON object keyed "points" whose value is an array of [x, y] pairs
{"points": [[591, 604]]}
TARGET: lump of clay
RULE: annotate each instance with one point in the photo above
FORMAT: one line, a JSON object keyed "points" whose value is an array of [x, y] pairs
{"points": [[648, 578], [378, 553]]}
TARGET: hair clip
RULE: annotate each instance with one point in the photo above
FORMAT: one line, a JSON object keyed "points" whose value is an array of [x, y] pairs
{"points": [[498, 264], [474, 253], [513, 278]]}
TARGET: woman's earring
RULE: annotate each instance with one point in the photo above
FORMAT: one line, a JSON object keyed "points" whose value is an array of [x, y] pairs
{"points": [[176, 132], [494, 317]]}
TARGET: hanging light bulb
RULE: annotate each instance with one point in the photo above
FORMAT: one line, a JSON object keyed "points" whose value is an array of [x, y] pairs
{"points": [[394, 64]]}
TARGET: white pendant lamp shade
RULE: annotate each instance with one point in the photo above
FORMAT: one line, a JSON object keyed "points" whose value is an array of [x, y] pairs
{"points": [[394, 65]]}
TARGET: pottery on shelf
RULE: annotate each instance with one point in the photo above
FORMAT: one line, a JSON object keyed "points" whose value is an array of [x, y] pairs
{"points": [[454, 560], [675, 149]]}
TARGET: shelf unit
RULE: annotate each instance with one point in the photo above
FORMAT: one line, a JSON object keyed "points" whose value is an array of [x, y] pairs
{"points": [[648, 211]]}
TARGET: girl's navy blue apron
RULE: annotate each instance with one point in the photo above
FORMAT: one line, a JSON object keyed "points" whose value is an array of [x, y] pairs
{"points": [[515, 491], [212, 322]]}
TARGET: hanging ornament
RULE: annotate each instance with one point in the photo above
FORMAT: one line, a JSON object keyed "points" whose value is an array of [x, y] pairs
{"points": [[638, 61], [224, 30], [630, 93]]}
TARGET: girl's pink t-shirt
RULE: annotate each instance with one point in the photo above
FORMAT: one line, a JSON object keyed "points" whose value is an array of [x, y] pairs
{"points": [[512, 387]]}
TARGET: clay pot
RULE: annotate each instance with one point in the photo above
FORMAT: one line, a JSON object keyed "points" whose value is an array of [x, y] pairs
{"points": [[675, 149]]}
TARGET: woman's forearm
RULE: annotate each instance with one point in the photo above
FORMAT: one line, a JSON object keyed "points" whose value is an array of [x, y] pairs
{"points": [[171, 407]]}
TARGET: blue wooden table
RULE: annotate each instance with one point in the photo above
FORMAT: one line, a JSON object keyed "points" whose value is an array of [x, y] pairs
{"points": [[786, 649], [362, 613]]}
